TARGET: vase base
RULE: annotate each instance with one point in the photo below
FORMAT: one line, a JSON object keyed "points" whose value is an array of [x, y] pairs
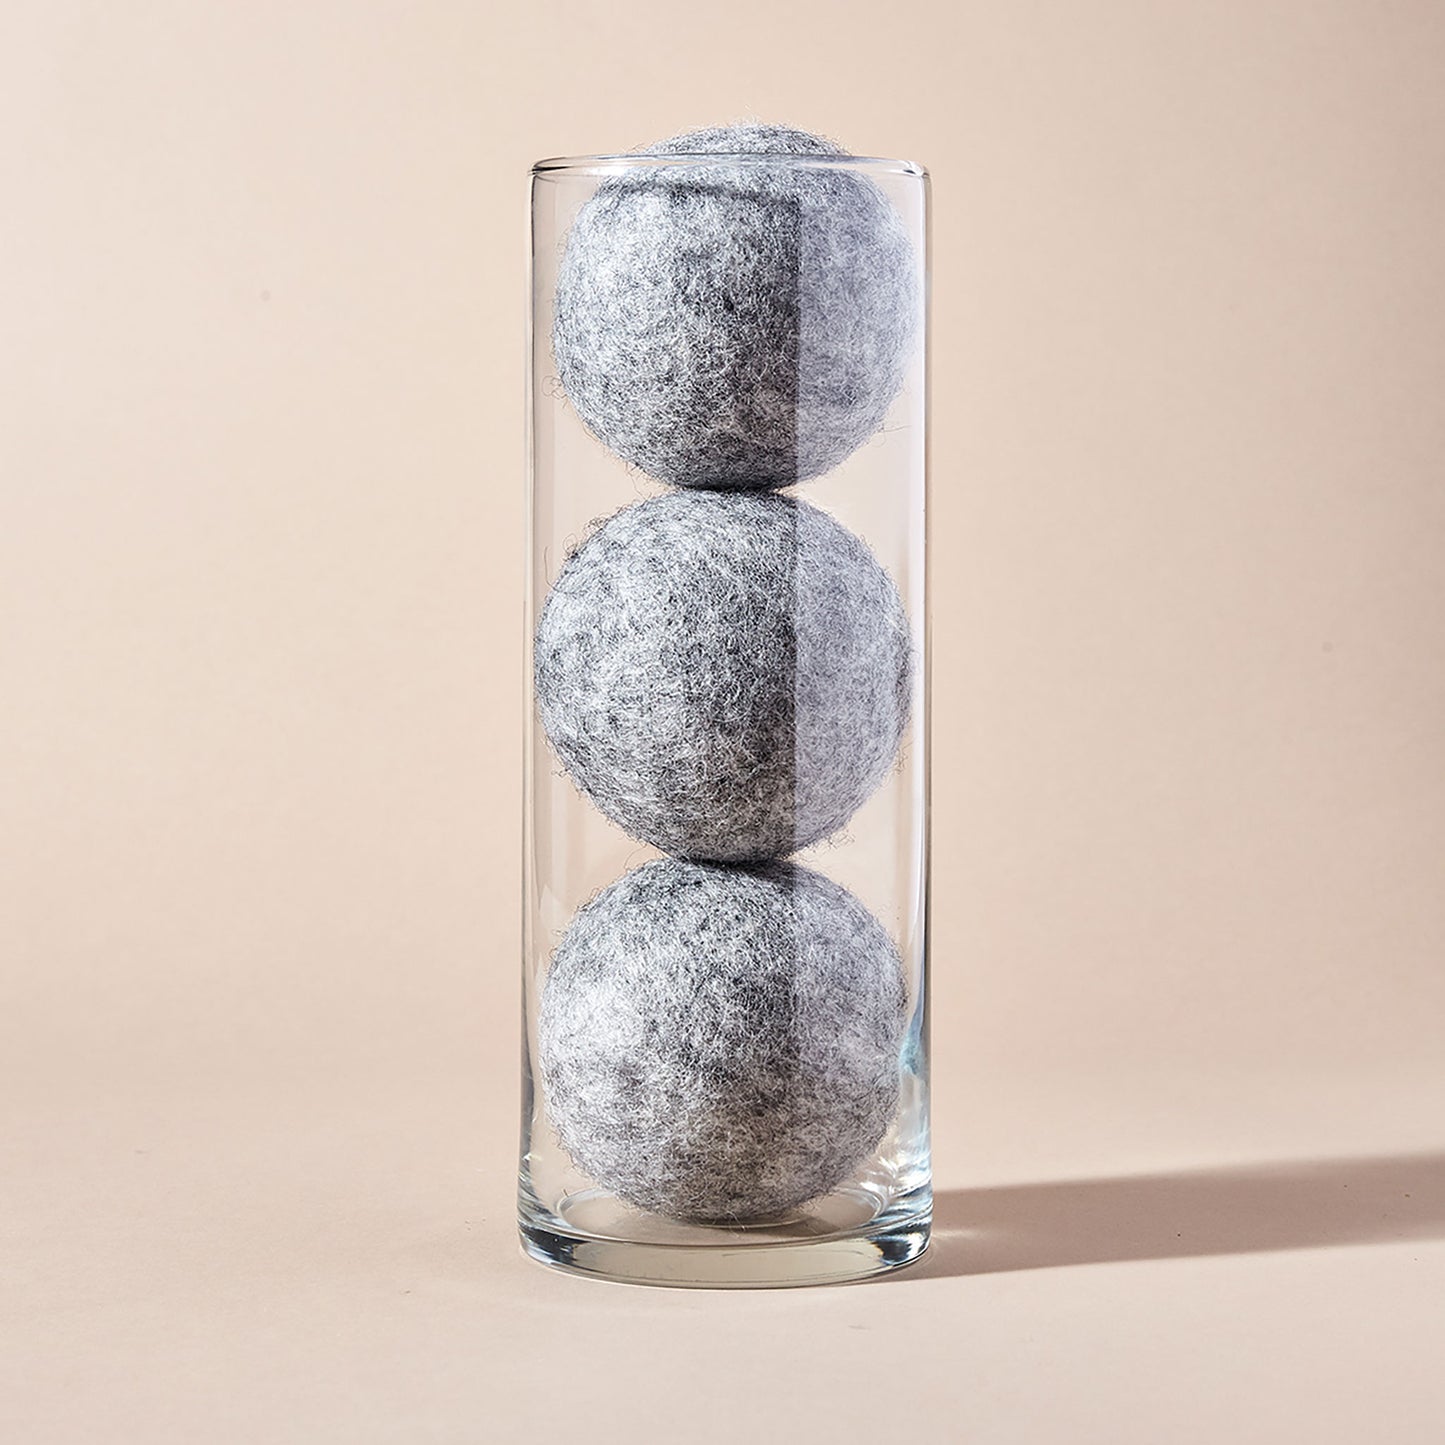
{"points": [[890, 1242]]}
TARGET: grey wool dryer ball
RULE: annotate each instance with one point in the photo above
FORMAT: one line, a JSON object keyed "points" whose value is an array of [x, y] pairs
{"points": [[719, 1044], [727, 676], [736, 324]]}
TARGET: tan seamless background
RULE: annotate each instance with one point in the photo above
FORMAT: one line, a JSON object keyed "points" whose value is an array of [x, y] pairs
{"points": [[261, 444]]}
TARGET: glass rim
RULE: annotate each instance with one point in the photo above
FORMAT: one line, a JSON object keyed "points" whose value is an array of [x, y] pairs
{"points": [[617, 163]]}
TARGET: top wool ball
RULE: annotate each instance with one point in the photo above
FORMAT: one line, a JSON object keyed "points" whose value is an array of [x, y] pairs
{"points": [[736, 325]]}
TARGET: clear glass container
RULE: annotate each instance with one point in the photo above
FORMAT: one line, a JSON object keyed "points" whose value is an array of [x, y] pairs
{"points": [[670, 1212]]}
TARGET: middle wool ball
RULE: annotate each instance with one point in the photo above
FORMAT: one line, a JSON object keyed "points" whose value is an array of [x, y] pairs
{"points": [[728, 677]]}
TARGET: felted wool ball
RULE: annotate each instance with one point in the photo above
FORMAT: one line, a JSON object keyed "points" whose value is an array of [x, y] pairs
{"points": [[727, 676], [722, 1044], [735, 325]]}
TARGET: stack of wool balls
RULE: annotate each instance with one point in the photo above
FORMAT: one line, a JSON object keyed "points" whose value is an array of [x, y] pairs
{"points": [[726, 673]]}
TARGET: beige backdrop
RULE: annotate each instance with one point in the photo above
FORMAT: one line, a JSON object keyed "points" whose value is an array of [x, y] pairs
{"points": [[261, 443]]}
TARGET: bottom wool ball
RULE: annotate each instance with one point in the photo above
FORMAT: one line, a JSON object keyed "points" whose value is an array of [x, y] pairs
{"points": [[722, 1044]]}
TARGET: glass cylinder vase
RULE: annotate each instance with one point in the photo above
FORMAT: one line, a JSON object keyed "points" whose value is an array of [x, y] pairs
{"points": [[725, 1048]]}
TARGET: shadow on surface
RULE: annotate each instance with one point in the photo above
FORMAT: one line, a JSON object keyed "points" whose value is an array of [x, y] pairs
{"points": [[1240, 1210]]}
